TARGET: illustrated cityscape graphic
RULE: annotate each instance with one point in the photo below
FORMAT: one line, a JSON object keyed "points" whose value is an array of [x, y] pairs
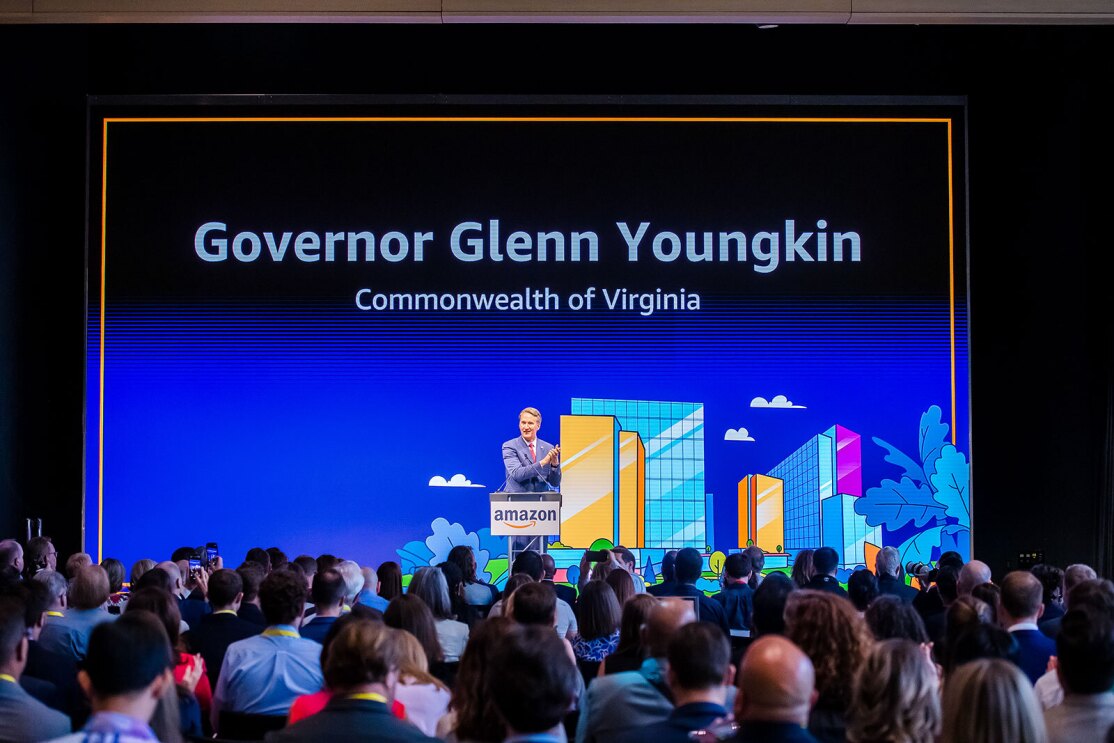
{"points": [[634, 475]]}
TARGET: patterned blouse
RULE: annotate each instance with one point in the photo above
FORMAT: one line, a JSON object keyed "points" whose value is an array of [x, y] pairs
{"points": [[596, 649]]}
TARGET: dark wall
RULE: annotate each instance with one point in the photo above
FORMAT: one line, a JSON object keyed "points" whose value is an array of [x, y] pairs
{"points": [[1040, 155]]}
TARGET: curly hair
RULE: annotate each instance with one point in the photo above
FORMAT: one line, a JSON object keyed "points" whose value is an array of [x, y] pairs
{"points": [[834, 637], [896, 695]]}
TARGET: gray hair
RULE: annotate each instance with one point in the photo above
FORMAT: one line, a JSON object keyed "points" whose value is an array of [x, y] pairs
{"points": [[430, 586], [888, 562], [353, 578], [54, 581]]}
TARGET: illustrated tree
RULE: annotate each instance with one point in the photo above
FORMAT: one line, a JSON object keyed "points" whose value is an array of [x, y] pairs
{"points": [[932, 494]]}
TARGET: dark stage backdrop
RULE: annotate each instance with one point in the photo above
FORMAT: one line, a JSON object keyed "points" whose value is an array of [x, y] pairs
{"points": [[1040, 318]]}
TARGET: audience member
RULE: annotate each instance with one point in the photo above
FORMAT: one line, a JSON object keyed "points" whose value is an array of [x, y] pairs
{"points": [[360, 671], [599, 619], [668, 575], [155, 578], [116, 594], [430, 586], [39, 554], [264, 674], [757, 559], [76, 562], [825, 562], [964, 614], [980, 642], [88, 594], [461, 609], [776, 692], [11, 559], [476, 592], [698, 675], [887, 566], [369, 594], [1018, 613], [803, 569], [327, 562], [1096, 595], [549, 569], [862, 588], [972, 574], [769, 604], [630, 564], [1073, 576], [929, 601], [138, 569], [262, 558], [1085, 668], [48, 676], [620, 702], [991, 594], [327, 594], [1052, 589], [251, 574], [279, 559], [390, 580], [530, 686], [353, 581], [502, 607], [425, 697], [687, 570], [622, 583], [308, 565], [22, 717], [628, 655], [410, 613], [835, 638], [934, 613], [189, 670], [990, 701], [888, 617], [218, 630], [896, 694], [737, 597], [472, 715], [191, 609]]}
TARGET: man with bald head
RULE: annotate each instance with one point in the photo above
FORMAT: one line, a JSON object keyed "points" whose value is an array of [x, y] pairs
{"points": [[974, 573], [621, 702], [190, 609], [1018, 612], [777, 688], [11, 559]]}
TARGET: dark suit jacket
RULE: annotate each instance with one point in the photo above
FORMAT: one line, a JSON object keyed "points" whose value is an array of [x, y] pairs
{"points": [[755, 731], [1033, 651], [676, 728], [351, 720], [192, 611], [891, 586], [565, 593], [213, 635], [318, 628], [252, 613], [662, 589], [827, 583], [1051, 627], [61, 672], [524, 474], [710, 609]]}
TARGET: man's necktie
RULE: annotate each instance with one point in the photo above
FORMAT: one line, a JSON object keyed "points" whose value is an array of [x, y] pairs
{"points": [[533, 456]]}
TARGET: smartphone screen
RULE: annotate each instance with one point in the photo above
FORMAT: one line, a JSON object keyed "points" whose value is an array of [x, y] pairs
{"points": [[195, 565], [211, 553]]}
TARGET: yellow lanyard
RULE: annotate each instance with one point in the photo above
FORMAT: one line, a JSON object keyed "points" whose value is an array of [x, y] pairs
{"points": [[274, 632], [55, 614], [6, 677], [369, 697], [224, 611]]}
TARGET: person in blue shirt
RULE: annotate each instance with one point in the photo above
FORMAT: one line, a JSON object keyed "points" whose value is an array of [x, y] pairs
{"points": [[263, 675]]}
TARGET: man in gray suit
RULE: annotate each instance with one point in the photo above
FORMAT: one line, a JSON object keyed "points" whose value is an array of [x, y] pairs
{"points": [[22, 717], [533, 465]]}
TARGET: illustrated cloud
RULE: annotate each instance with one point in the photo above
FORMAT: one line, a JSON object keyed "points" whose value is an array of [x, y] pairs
{"points": [[779, 401], [456, 481], [737, 434]]}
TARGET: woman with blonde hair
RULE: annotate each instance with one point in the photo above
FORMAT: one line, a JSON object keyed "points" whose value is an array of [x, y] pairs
{"points": [[991, 701], [426, 699], [896, 695], [835, 638]]}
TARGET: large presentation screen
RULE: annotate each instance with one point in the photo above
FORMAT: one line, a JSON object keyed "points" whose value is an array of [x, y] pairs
{"points": [[315, 327]]}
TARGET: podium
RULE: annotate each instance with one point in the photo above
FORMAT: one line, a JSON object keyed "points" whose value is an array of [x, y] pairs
{"points": [[526, 519]]}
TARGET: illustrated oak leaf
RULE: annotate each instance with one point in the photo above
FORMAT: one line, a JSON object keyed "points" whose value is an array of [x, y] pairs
{"points": [[933, 436], [951, 480], [913, 470], [895, 504]]}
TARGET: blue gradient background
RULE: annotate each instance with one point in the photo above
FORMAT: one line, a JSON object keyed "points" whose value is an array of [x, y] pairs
{"points": [[241, 407]]}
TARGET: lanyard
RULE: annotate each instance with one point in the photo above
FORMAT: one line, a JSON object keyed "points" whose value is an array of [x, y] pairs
{"points": [[6, 677], [55, 614], [368, 697], [224, 611], [275, 632]]}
